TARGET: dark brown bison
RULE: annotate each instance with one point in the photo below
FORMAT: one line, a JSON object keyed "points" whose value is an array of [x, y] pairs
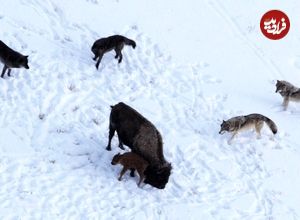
{"points": [[143, 138]]}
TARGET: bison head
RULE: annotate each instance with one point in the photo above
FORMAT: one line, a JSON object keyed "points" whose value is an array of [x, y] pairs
{"points": [[158, 177]]}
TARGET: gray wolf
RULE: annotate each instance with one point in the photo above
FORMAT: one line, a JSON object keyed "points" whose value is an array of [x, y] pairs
{"points": [[239, 123], [288, 91], [11, 59], [131, 160], [141, 136], [115, 42]]}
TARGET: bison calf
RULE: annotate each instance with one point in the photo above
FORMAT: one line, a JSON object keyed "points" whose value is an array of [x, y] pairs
{"points": [[143, 138], [131, 160]]}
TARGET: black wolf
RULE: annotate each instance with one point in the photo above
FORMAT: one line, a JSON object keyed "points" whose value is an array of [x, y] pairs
{"points": [[143, 138], [11, 59], [115, 42]]}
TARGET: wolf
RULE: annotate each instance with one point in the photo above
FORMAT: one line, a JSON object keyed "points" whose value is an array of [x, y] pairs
{"points": [[11, 59], [288, 91], [239, 123], [115, 42]]}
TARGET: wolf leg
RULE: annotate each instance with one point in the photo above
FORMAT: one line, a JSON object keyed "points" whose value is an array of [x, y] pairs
{"points": [[233, 135], [120, 57], [3, 71], [8, 73], [285, 103], [118, 52], [258, 128], [99, 60], [97, 52], [117, 55]]}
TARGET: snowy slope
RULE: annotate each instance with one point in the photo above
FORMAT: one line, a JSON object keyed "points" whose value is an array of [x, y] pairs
{"points": [[196, 63]]}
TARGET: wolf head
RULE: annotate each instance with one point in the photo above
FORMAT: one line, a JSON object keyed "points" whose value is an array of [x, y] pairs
{"points": [[116, 159], [280, 86], [225, 126], [22, 61], [158, 177], [284, 87], [133, 44], [94, 49]]}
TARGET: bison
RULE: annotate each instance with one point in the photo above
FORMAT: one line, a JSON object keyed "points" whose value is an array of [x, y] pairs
{"points": [[131, 160], [141, 136]]}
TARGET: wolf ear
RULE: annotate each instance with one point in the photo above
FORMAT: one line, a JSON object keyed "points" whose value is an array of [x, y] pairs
{"points": [[26, 56]]}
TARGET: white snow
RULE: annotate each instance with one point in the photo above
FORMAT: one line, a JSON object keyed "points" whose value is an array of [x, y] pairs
{"points": [[195, 64]]}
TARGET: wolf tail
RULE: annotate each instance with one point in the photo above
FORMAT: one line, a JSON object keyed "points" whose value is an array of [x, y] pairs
{"points": [[271, 124], [129, 42]]}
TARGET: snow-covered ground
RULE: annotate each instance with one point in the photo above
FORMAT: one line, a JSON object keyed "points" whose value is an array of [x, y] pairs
{"points": [[196, 63]]}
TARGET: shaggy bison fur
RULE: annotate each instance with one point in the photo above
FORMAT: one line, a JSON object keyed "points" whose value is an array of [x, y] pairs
{"points": [[141, 136]]}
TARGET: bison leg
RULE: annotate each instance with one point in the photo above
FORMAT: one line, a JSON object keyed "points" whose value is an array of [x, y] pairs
{"points": [[111, 134], [121, 146], [122, 173], [142, 177], [120, 143], [132, 172]]}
